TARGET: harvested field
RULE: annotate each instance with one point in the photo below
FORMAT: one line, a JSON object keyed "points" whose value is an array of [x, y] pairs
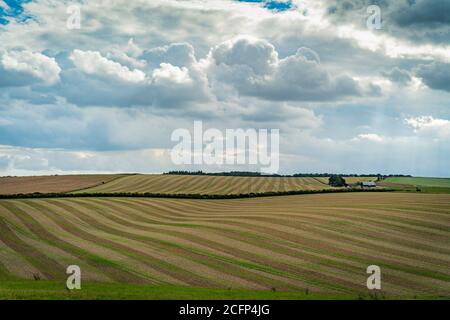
{"points": [[171, 184], [322, 243], [165, 184], [49, 184]]}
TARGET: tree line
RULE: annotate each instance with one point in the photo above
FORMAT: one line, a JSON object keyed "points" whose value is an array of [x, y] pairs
{"points": [[258, 174]]}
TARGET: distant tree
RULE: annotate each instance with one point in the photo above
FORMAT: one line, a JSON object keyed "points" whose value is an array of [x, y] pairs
{"points": [[336, 181]]}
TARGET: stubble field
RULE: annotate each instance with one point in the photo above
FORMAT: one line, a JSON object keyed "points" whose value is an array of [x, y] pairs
{"points": [[188, 184], [292, 247], [49, 184]]}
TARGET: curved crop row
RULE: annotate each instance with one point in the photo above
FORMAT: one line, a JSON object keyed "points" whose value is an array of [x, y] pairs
{"points": [[321, 243], [191, 184]]}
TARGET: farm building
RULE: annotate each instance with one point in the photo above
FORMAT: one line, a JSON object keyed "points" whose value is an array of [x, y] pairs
{"points": [[368, 184]]}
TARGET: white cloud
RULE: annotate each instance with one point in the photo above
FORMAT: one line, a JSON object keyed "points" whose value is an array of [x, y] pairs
{"points": [[258, 55], [18, 68], [117, 84], [168, 74], [92, 62], [430, 126], [4, 5], [369, 137], [124, 59], [393, 47]]}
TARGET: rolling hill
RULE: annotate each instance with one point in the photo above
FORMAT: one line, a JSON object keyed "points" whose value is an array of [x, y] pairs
{"points": [[49, 184], [165, 184], [207, 184], [319, 244]]}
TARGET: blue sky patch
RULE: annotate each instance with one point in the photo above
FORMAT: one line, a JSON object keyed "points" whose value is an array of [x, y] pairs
{"points": [[272, 4], [14, 10]]}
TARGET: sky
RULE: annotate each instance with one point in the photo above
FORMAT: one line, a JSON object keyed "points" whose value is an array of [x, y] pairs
{"points": [[106, 97]]}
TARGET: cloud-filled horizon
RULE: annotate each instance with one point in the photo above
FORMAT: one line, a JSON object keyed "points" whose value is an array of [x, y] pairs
{"points": [[107, 96]]}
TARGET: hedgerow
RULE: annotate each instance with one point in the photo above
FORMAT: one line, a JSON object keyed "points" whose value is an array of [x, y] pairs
{"points": [[38, 195]]}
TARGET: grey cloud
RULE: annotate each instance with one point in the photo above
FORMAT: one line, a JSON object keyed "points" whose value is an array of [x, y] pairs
{"points": [[32, 94], [435, 75], [177, 54], [69, 127], [423, 12], [15, 79], [287, 116], [421, 21], [398, 75]]}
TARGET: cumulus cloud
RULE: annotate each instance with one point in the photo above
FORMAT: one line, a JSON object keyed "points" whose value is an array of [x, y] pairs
{"points": [[171, 75], [167, 74], [116, 84], [20, 68], [253, 68], [430, 126], [176, 54], [92, 62], [255, 54]]}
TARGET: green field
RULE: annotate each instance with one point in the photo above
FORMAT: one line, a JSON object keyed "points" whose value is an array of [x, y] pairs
{"points": [[422, 182], [54, 290], [416, 184], [281, 247]]}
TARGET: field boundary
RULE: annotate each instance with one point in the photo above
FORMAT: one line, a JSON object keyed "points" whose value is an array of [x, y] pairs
{"points": [[185, 196], [119, 176]]}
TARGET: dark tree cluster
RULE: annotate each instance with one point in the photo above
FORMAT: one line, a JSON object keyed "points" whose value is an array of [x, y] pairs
{"points": [[337, 181]]}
